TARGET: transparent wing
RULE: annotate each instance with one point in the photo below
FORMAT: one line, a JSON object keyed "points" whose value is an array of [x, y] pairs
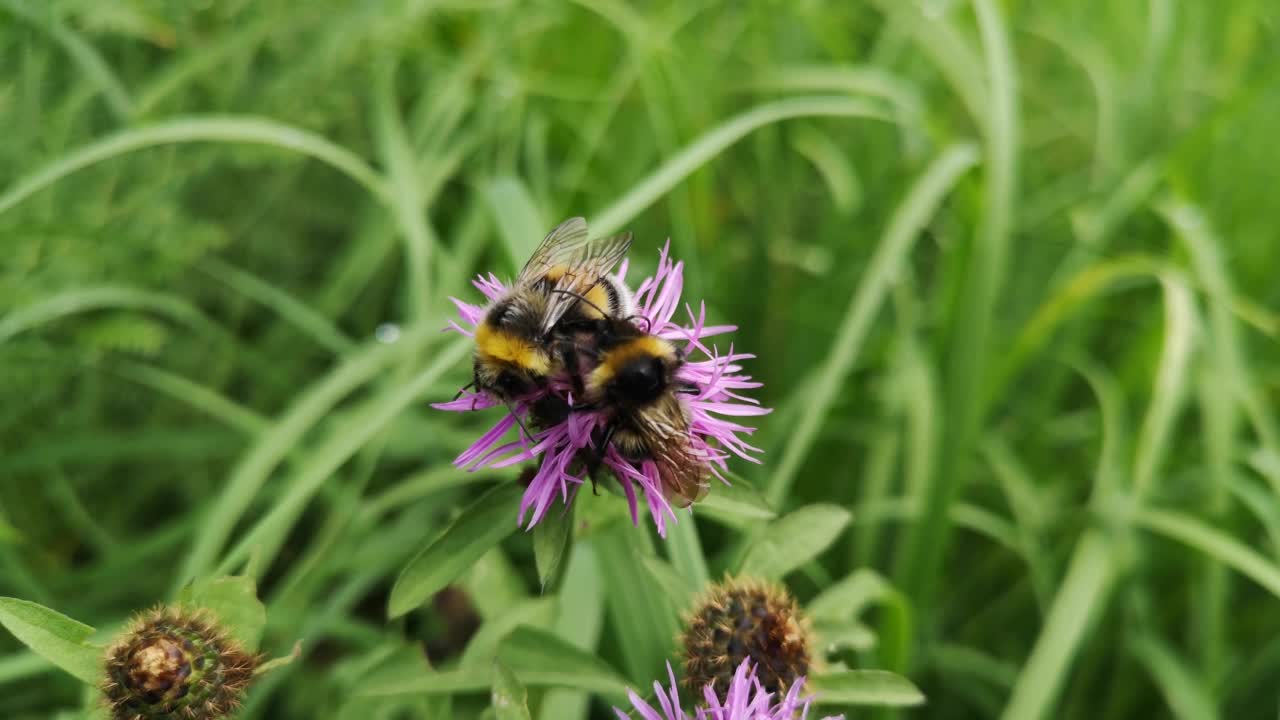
{"points": [[582, 272], [681, 468], [567, 241]]}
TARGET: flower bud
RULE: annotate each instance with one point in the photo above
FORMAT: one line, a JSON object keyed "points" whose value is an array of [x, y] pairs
{"points": [[742, 619], [173, 664]]}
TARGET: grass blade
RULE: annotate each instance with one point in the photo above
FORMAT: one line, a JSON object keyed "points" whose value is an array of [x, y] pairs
{"points": [[1187, 697], [1080, 599], [256, 464], [289, 308], [80, 300], [984, 268], [520, 224], [1214, 543], [405, 193], [714, 142], [82, 52], [229, 129], [882, 271]]}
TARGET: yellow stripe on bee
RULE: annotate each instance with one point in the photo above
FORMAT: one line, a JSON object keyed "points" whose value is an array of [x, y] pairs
{"points": [[598, 299], [495, 344], [596, 295], [643, 346]]}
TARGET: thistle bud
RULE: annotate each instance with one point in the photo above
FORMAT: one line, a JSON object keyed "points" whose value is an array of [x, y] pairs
{"points": [[741, 619], [176, 665]]}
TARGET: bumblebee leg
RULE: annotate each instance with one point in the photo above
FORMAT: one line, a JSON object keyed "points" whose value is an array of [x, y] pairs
{"points": [[569, 358], [603, 446], [511, 409], [597, 456], [464, 388]]}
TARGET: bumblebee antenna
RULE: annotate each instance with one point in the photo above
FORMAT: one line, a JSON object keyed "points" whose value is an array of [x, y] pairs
{"points": [[581, 299], [511, 409], [648, 324]]}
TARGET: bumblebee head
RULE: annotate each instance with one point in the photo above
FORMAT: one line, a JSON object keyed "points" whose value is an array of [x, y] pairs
{"points": [[636, 371]]}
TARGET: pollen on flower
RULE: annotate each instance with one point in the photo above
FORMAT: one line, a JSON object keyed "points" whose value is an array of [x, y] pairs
{"points": [[739, 620], [175, 665]]}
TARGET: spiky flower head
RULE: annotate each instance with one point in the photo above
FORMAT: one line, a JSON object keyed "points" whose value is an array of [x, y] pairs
{"points": [[744, 619], [713, 435], [744, 699], [175, 664]]}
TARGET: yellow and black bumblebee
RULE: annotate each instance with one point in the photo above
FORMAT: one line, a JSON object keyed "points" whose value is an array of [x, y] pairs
{"points": [[517, 348], [634, 381]]}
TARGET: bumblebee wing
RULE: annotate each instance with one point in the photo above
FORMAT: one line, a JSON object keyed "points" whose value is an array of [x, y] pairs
{"points": [[583, 272], [682, 470], [567, 241]]}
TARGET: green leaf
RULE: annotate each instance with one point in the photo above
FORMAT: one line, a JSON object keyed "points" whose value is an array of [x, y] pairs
{"points": [[579, 621], [733, 504], [641, 613], [234, 602], [447, 682], [510, 700], [674, 585], [794, 540], [482, 525], [864, 687], [845, 599], [54, 636], [543, 658], [483, 646], [550, 543], [836, 636], [684, 548]]}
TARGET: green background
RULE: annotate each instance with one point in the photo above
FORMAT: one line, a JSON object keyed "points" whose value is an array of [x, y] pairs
{"points": [[1008, 268]]}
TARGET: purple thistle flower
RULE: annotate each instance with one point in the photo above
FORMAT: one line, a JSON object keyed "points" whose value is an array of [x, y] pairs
{"points": [[713, 435], [746, 700]]}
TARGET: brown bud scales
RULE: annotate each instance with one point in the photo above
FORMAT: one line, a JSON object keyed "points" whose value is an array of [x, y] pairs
{"points": [[174, 664], [741, 618]]}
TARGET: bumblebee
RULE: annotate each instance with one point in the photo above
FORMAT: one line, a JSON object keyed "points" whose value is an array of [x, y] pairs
{"points": [[634, 381], [517, 348]]}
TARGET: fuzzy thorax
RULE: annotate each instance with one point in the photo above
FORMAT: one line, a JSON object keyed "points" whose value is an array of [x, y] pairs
{"points": [[175, 665], [497, 345], [739, 619]]}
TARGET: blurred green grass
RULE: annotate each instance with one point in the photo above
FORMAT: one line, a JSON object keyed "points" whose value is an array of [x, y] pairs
{"points": [[1008, 268]]}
